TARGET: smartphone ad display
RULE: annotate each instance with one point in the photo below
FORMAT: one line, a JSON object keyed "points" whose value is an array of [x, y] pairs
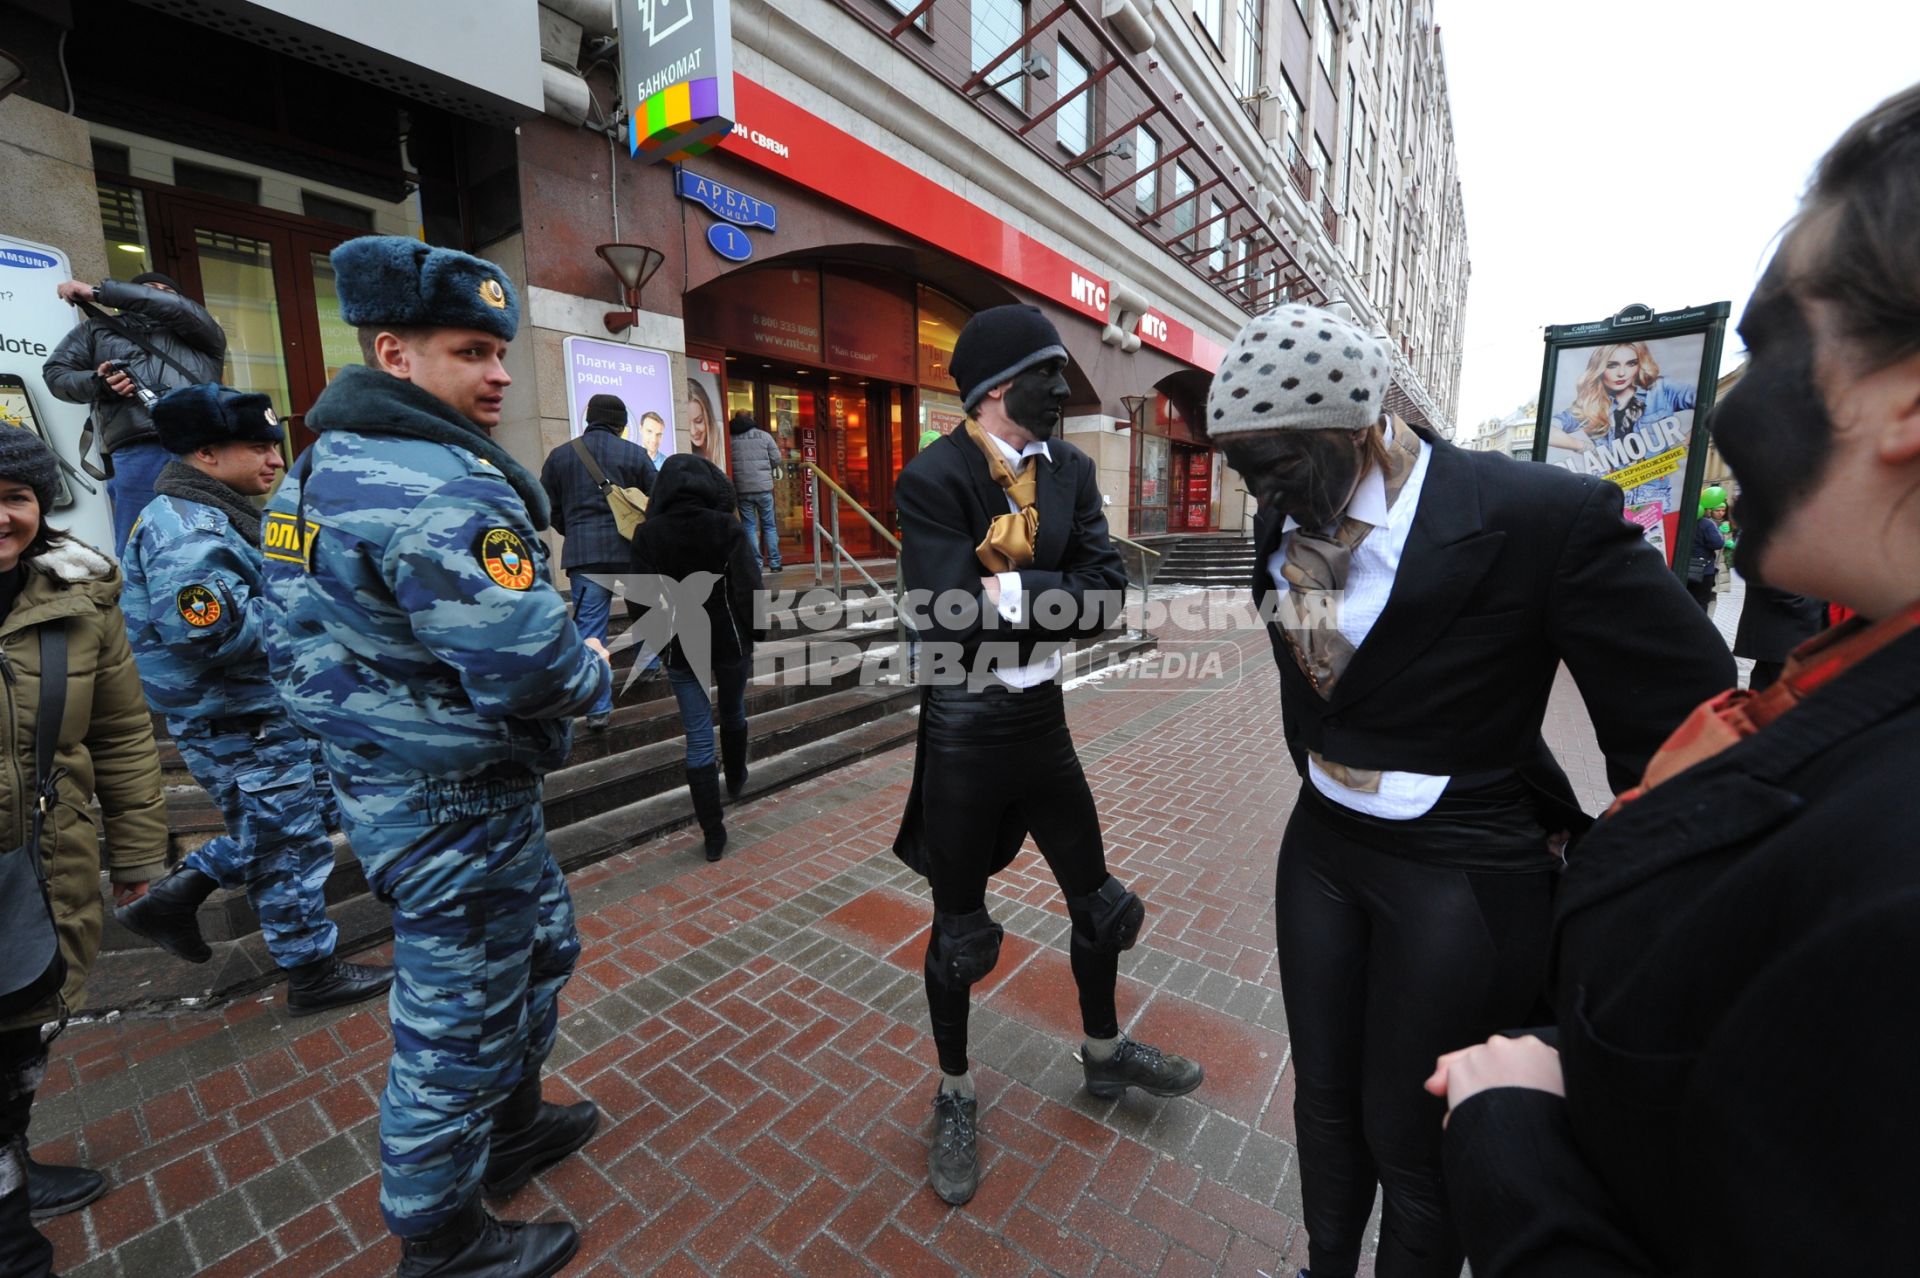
{"points": [[33, 319]]}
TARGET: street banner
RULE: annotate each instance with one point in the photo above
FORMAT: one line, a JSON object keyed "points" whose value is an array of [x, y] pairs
{"points": [[1626, 399], [640, 376]]}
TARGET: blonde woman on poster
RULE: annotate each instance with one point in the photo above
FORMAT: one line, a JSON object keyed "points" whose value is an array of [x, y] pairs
{"points": [[704, 436], [1622, 394]]}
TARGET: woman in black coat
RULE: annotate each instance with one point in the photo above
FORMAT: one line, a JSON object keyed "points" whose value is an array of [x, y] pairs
{"points": [[1773, 623], [705, 577], [1736, 947]]}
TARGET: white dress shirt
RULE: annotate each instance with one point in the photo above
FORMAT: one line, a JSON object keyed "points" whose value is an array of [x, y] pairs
{"points": [[1402, 795], [1013, 597]]}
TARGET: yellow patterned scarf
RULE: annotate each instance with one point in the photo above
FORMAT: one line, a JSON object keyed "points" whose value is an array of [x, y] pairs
{"points": [[1010, 538]]}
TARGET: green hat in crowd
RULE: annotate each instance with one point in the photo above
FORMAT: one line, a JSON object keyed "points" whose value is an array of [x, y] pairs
{"points": [[1712, 498]]}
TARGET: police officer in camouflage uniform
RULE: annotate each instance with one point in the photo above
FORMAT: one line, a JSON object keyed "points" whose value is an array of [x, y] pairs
{"points": [[423, 642], [197, 620]]}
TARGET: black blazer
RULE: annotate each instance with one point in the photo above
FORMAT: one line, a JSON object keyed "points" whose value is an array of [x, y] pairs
{"points": [[1735, 959], [1775, 622], [946, 497], [1510, 569]]}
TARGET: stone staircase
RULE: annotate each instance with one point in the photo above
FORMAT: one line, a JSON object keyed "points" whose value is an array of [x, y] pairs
{"points": [[812, 706], [1204, 559]]}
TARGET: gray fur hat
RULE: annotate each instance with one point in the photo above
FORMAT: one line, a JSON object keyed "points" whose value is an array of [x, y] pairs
{"points": [[1299, 368], [393, 280]]}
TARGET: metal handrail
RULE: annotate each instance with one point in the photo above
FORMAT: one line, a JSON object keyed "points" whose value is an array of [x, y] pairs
{"points": [[817, 476], [1145, 550], [1146, 579]]}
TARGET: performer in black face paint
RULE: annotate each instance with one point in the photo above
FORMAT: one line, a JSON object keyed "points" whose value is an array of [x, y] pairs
{"points": [[1731, 1086], [1005, 557], [1421, 598]]}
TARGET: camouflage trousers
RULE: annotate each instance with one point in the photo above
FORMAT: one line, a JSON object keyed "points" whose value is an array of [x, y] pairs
{"points": [[483, 939], [278, 806]]}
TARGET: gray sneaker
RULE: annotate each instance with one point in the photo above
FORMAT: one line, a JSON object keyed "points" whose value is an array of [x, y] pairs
{"points": [[1134, 1064], [953, 1163]]}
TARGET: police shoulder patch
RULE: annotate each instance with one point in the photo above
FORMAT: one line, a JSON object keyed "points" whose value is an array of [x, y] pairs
{"points": [[505, 557], [199, 606]]}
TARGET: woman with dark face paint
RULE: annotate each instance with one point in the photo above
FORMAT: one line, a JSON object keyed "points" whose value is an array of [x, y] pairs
{"points": [[1420, 600], [1732, 1085]]}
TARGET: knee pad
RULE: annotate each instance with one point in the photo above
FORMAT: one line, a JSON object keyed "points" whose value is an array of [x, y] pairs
{"points": [[962, 949], [1106, 920]]}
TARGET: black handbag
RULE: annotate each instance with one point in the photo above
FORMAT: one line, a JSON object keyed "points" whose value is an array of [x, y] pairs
{"points": [[32, 969]]}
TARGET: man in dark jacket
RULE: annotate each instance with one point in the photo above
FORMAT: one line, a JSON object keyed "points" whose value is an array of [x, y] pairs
{"points": [[594, 546], [756, 459], [1005, 557], [186, 349]]}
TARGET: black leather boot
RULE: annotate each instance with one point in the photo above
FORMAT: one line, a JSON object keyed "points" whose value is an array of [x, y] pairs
{"points": [[168, 914], [531, 1135], [24, 1252], [703, 784], [54, 1190], [733, 753], [475, 1245], [328, 983]]}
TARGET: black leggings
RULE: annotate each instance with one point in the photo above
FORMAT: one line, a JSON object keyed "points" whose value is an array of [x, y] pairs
{"points": [[995, 761], [1386, 963]]}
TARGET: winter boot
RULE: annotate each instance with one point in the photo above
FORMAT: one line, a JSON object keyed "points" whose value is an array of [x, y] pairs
{"points": [[703, 783], [167, 914], [54, 1191], [475, 1245], [328, 982], [531, 1135], [23, 1250], [953, 1160], [733, 752]]}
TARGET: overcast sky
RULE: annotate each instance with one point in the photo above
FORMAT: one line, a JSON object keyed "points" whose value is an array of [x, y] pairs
{"points": [[1641, 151]]}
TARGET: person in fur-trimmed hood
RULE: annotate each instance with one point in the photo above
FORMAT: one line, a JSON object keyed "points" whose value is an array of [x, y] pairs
{"points": [[50, 581]]}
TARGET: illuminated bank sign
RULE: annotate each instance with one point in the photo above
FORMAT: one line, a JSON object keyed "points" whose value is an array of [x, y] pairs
{"points": [[735, 209], [676, 76]]}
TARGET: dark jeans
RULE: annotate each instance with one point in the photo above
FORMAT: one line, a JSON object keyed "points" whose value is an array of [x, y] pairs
{"points": [[756, 512], [592, 606], [995, 759], [1386, 963], [696, 710], [135, 467]]}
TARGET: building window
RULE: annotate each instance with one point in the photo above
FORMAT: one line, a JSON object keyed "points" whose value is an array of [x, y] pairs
{"points": [[997, 24], [1216, 237], [1146, 155], [1324, 174], [1323, 39], [243, 188], [1343, 185], [123, 216], [1246, 54], [328, 209], [1296, 116], [1213, 19], [908, 6], [1185, 208], [1073, 123]]}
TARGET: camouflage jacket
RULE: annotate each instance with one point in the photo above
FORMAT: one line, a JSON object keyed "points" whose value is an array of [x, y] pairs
{"points": [[419, 635], [196, 614]]}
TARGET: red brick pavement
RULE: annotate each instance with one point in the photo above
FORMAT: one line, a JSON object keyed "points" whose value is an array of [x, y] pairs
{"points": [[754, 1034]]}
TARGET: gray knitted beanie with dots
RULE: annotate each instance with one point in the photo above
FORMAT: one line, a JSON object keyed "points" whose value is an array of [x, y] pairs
{"points": [[1299, 368]]}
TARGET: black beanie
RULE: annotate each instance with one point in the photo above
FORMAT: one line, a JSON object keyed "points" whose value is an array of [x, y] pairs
{"points": [[24, 459], [741, 423], [155, 277], [607, 410], [209, 415], [998, 345]]}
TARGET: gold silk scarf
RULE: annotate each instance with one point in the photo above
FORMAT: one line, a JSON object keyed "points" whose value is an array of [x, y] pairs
{"points": [[1315, 569], [1010, 538]]}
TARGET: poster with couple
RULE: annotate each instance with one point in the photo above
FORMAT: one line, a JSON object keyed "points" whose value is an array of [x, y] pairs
{"points": [[658, 419]]}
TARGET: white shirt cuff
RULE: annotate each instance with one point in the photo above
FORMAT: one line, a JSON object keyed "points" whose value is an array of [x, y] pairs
{"points": [[1013, 601]]}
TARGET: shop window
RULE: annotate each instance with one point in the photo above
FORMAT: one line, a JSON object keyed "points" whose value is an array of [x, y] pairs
{"points": [[328, 209], [123, 217], [1073, 123], [938, 327], [243, 188], [997, 24]]}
